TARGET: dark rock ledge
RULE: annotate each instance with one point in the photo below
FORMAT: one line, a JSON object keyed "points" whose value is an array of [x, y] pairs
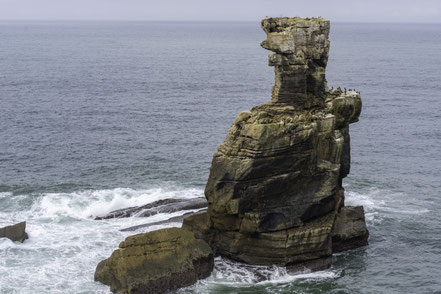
{"points": [[160, 206]]}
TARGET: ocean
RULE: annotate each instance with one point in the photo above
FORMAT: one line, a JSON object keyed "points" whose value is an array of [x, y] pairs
{"points": [[97, 116]]}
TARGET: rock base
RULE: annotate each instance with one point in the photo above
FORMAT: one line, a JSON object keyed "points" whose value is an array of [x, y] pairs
{"points": [[349, 230], [314, 265]]}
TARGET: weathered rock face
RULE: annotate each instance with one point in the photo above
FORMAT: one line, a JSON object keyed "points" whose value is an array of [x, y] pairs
{"points": [[275, 184], [301, 47], [156, 262], [15, 232]]}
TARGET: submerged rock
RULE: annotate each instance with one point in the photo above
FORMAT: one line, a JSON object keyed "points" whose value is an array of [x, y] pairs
{"points": [[156, 262], [16, 233], [275, 184]]}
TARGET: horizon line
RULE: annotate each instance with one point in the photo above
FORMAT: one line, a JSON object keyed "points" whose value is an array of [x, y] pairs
{"points": [[205, 21]]}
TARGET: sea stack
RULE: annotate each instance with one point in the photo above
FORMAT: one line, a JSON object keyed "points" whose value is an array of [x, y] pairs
{"points": [[274, 192], [275, 186]]}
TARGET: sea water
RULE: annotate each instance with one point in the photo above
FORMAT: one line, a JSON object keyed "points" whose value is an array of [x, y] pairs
{"points": [[98, 116]]}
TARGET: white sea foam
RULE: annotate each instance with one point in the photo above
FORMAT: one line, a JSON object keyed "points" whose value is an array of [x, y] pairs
{"points": [[91, 203], [239, 275], [380, 204], [370, 200], [6, 243], [384, 200], [228, 271], [65, 243], [5, 194]]}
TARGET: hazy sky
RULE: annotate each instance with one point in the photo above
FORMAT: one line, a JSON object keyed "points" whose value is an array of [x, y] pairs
{"points": [[246, 10]]}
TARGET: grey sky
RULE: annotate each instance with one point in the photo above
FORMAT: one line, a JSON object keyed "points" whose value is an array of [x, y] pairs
{"points": [[246, 10]]}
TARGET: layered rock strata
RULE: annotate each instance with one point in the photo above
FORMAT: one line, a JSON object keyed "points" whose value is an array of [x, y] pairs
{"points": [[275, 186], [156, 262]]}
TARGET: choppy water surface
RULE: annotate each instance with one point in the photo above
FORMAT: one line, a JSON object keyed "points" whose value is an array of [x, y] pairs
{"points": [[100, 116]]}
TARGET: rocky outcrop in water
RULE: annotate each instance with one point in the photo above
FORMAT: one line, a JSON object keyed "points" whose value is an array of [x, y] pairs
{"points": [[160, 206], [275, 186], [16, 233], [191, 206], [349, 230], [156, 262], [274, 192]]}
